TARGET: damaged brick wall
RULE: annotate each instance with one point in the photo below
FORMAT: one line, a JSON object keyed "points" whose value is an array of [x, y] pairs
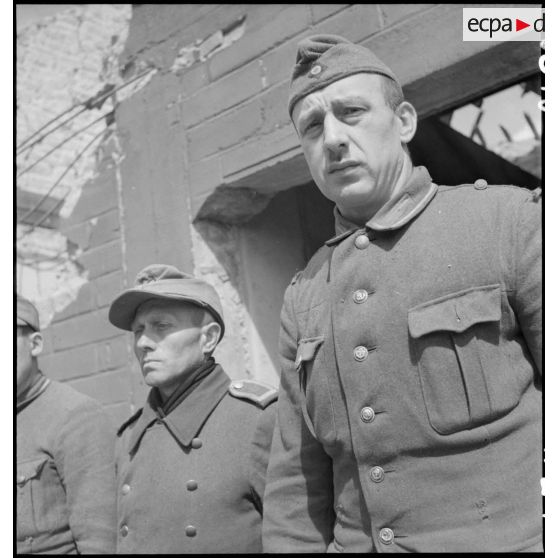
{"points": [[71, 264]]}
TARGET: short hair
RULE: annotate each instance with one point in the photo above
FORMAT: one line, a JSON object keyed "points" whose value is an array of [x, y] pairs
{"points": [[25, 330], [393, 93], [393, 96]]}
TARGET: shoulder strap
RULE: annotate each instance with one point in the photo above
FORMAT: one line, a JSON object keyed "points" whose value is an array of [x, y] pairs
{"points": [[253, 390]]}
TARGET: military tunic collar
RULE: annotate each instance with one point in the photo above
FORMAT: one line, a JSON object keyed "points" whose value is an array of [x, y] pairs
{"points": [[185, 421], [40, 385], [397, 212]]}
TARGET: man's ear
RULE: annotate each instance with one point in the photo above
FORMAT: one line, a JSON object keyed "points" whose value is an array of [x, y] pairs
{"points": [[210, 334], [408, 118], [36, 341]]}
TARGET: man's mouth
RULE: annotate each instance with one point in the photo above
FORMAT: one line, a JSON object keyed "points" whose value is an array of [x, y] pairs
{"points": [[341, 166], [148, 362]]}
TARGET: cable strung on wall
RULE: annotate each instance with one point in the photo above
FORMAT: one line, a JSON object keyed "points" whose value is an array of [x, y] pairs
{"points": [[93, 102], [66, 140], [61, 201]]}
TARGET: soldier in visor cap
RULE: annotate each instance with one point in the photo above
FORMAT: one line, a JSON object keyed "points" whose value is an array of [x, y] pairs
{"points": [[191, 463], [409, 411], [65, 479]]}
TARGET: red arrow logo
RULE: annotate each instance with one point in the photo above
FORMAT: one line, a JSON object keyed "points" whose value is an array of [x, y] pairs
{"points": [[519, 25]]}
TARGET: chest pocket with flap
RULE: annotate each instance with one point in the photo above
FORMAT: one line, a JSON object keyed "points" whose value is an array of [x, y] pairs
{"points": [[27, 480], [455, 342], [317, 406]]}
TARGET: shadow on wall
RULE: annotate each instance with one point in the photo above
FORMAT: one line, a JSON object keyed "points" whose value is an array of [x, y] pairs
{"points": [[252, 263]]}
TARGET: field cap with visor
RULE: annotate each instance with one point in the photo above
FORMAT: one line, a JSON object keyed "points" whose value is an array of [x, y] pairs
{"points": [[323, 59], [164, 282], [27, 314]]}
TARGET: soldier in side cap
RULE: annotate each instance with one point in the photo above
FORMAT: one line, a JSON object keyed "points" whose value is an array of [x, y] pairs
{"points": [[65, 477], [191, 463], [409, 412]]}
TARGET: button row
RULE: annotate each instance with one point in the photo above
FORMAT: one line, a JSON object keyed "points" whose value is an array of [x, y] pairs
{"points": [[360, 296], [377, 474], [362, 241], [386, 535], [367, 414], [189, 530], [360, 353]]}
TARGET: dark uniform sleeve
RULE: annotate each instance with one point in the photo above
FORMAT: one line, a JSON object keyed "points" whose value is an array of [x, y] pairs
{"points": [[298, 501], [85, 462], [527, 296]]}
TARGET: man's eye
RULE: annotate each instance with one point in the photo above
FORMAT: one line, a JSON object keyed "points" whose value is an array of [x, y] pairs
{"points": [[137, 331], [350, 111], [312, 126]]}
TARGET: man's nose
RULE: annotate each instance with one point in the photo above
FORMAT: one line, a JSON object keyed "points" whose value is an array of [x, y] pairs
{"points": [[144, 342], [335, 137]]}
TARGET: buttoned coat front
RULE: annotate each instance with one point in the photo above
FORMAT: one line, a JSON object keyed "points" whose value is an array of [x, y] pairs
{"points": [[192, 482], [65, 480], [409, 412]]}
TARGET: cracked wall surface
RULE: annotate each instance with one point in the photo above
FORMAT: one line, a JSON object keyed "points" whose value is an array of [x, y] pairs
{"points": [[69, 262]]}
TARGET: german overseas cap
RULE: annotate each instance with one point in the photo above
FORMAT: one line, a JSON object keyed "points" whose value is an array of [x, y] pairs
{"points": [[164, 282], [27, 314], [323, 59]]}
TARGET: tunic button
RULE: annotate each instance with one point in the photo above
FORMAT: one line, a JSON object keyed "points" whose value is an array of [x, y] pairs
{"points": [[238, 385], [197, 443], [20, 479], [360, 296], [191, 485], [377, 474], [481, 184], [367, 414], [125, 488], [190, 531], [386, 535], [362, 241], [360, 353], [28, 540], [317, 69], [124, 530]]}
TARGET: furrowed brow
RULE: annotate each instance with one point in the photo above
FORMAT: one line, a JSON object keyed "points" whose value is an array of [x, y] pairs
{"points": [[350, 99], [309, 115]]}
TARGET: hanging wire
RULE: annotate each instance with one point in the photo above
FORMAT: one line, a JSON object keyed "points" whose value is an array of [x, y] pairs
{"points": [[93, 102], [52, 120], [50, 211], [66, 140]]}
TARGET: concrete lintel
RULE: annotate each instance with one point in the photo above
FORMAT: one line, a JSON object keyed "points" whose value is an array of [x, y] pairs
{"points": [[245, 194], [232, 206], [473, 77]]}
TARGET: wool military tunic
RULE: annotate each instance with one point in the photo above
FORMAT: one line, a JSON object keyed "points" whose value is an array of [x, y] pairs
{"points": [[192, 482], [65, 474], [409, 412]]}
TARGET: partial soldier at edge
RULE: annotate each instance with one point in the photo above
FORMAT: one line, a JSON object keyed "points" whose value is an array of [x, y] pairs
{"points": [[66, 502]]}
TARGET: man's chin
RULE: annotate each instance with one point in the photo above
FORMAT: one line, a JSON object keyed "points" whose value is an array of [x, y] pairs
{"points": [[152, 378]]}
